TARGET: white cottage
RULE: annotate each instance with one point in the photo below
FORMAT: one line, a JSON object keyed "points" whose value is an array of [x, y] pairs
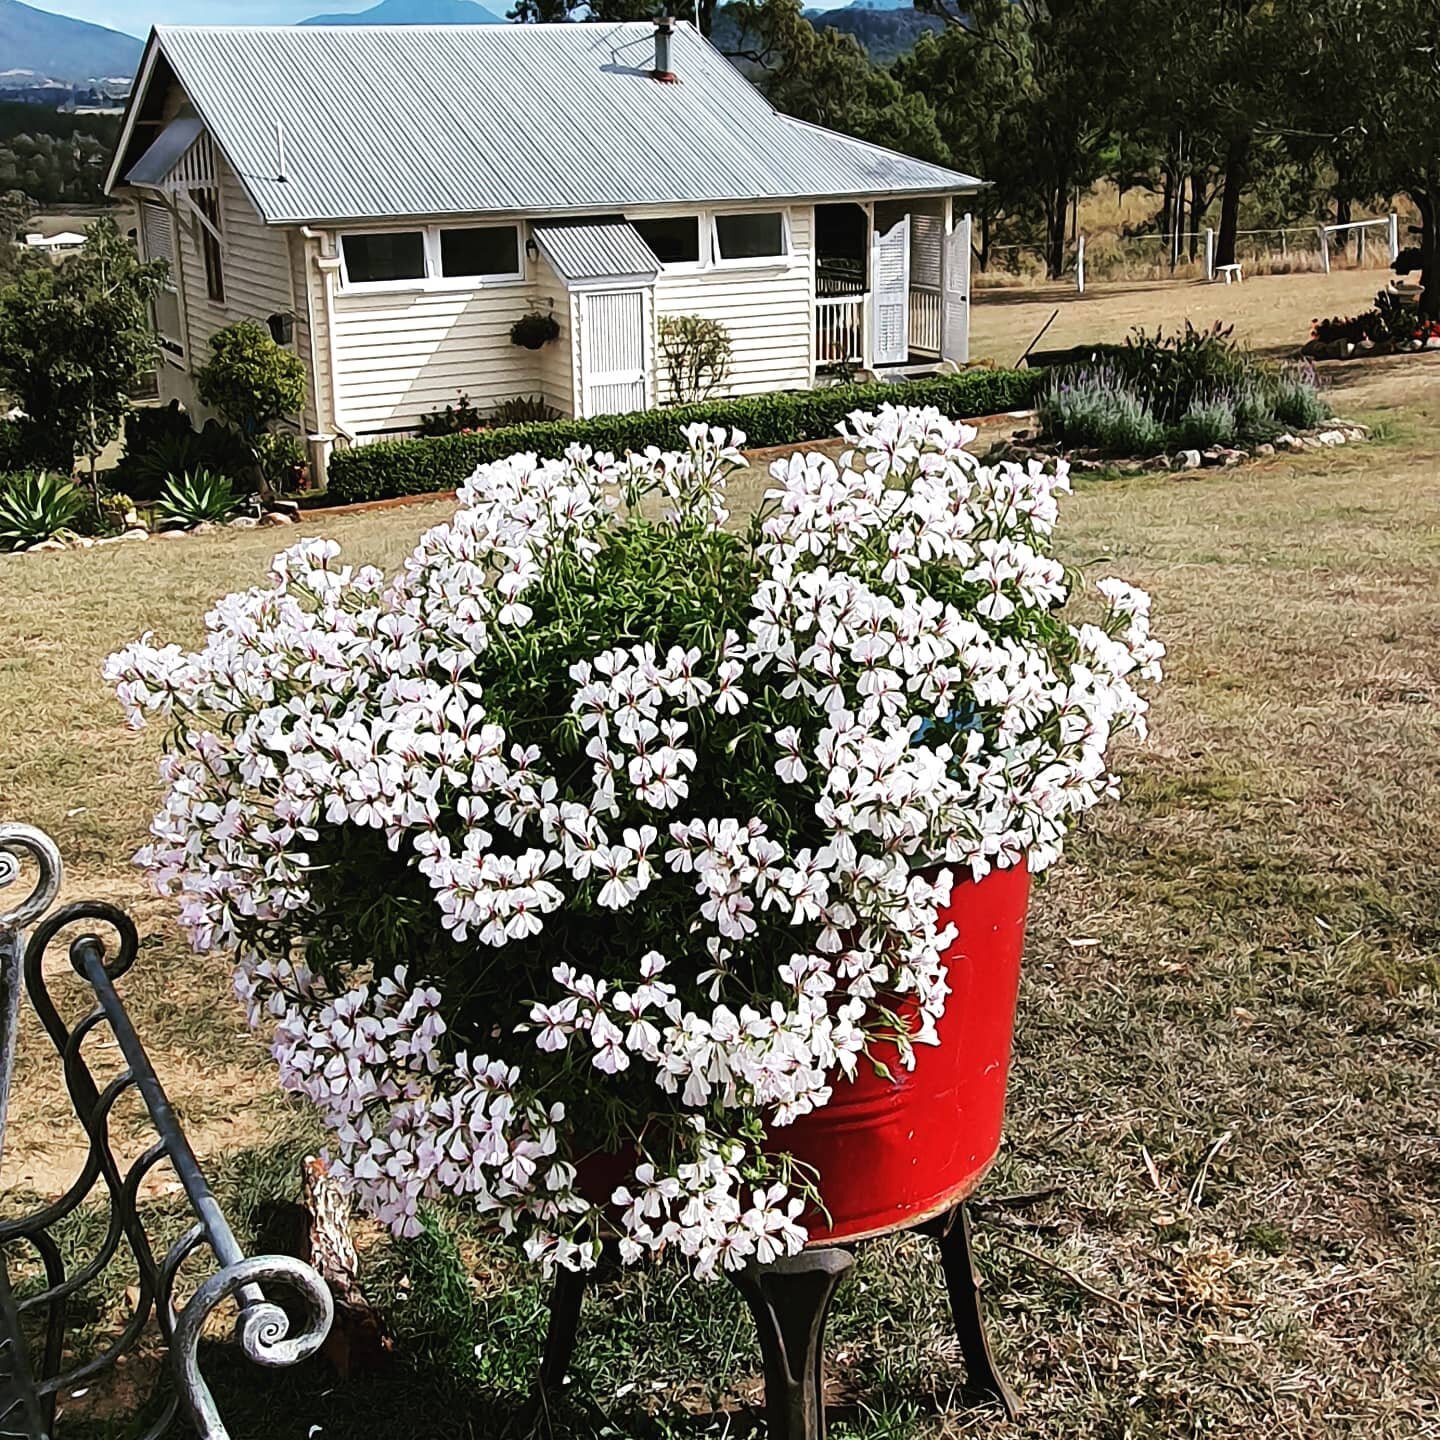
{"points": [[392, 200]]}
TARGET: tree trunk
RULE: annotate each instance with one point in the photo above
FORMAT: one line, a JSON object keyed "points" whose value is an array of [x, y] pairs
{"points": [[1167, 204], [1342, 217], [1057, 212], [984, 242], [1426, 203], [1237, 167], [1198, 202]]}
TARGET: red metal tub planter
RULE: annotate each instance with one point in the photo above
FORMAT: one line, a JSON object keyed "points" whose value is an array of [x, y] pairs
{"points": [[897, 1148], [605, 840]]}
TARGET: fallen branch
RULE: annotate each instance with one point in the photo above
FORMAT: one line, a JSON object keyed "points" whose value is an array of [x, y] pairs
{"points": [[1129, 1306]]}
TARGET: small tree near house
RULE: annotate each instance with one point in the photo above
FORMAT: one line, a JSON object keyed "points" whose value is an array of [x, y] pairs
{"points": [[75, 339], [252, 382], [696, 352]]}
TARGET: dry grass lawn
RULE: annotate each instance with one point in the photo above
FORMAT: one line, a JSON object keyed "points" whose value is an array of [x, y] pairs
{"points": [[1227, 1078], [1269, 312]]}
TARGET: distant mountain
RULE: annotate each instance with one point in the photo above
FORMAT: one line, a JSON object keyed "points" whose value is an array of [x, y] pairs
{"points": [[55, 47], [884, 30], [414, 12], [879, 5]]}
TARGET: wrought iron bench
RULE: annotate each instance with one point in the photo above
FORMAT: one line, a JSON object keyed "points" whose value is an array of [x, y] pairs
{"points": [[35, 1372]]}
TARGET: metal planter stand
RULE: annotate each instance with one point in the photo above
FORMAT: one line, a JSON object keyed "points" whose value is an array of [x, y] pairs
{"points": [[790, 1301], [32, 1379]]}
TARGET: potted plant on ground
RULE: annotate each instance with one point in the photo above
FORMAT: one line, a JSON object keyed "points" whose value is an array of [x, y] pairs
{"points": [[580, 868]]}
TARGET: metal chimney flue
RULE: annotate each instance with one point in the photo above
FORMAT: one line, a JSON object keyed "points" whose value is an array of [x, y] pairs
{"points": [[664, 38]]}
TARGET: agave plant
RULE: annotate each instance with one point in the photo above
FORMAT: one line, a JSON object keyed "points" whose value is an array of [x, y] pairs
{"points": [[36, 507], [196, 497]]}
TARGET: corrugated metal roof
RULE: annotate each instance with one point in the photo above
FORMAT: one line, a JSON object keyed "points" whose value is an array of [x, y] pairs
{"points": [[383, 121], [596, 251], [162, 157]]}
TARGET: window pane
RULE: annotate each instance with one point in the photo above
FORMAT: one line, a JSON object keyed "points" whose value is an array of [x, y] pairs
{"points": [[208, 202], [397, 255], [489, 250], [675, 240], [750, 237]]}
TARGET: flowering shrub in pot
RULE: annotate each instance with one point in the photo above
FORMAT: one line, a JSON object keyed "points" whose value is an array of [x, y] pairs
{"points": [[607, 837]]}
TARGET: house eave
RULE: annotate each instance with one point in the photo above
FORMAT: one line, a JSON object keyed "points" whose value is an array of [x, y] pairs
{"points": [[663, 207]]}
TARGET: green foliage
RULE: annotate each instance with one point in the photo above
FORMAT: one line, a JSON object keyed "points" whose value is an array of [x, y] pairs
{"points": [[1172, 372], [26, 444], [824, 76], [534, 330], [1192, 391], [282, 455], [457, 419], [420, 467], [1207, 422], [1295, 399], [1098, 409], [197, 497], [75, 339], [523, 410], [160, 442], [36, 507], [55, 158], [250, 379], [696, 353]]}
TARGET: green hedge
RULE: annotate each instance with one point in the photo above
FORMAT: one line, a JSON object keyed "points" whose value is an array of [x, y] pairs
{"points": [[420, 467]]}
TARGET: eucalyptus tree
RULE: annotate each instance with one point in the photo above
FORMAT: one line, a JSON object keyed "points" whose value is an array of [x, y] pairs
{"points": [[1369, 76], [1068, 62]]}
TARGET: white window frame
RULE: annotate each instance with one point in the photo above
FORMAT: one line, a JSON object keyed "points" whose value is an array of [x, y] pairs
{"points": [[754, 262], [703, 241], [441, 281], [433, 279]]}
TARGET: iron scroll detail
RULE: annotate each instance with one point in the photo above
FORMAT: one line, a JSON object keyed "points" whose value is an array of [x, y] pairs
{"points": [[32, 1377]]}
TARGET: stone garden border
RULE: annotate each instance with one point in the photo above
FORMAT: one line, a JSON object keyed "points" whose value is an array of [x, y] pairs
{"points": [[1025, 445]]}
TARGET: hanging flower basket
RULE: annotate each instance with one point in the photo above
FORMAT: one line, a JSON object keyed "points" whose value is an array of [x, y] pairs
{"points": [[534, 330], [648, 878]]}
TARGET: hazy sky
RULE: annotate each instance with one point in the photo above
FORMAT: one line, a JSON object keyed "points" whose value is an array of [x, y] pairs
{"points": [[137, 16]]}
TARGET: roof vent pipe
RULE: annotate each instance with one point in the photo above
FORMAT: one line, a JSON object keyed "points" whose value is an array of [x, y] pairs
{"points": [[664, 35]]}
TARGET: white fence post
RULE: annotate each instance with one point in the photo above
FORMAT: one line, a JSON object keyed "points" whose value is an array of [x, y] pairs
{"points": [[1080, 265], [1210, 252], [1394, 237], [1324, 249]]}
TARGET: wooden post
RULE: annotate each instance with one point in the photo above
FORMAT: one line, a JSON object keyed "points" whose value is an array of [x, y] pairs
{"points": [[1080, 265], [1209, 252], [1394, 237], [1324, 248]]}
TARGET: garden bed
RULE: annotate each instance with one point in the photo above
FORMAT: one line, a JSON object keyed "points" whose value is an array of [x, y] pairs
{"points": [[1028, 444], [1178, 402]]}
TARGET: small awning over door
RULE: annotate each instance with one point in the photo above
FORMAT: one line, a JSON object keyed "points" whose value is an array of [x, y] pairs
{"points": [[585, 252]]}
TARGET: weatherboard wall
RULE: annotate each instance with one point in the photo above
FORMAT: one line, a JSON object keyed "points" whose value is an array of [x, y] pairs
{"points": [[255, 262], [766, 308], [401, 354]]}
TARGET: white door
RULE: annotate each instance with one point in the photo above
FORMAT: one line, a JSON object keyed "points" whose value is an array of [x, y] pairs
{"points": [[614, 353], [955, 329], [891, 302]]}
